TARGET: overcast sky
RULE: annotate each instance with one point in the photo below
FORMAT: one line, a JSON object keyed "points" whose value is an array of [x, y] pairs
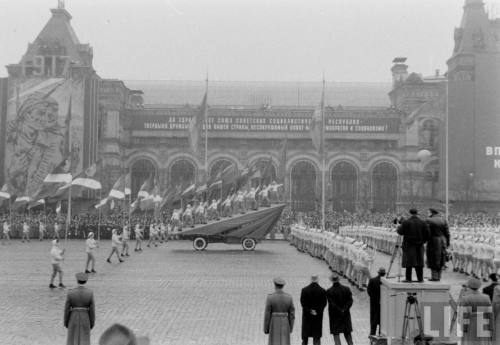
{"points": [[275, 40]]}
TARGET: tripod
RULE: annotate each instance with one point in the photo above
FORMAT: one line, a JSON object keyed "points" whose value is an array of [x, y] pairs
{"points": [[411, 300], [396, 251]]}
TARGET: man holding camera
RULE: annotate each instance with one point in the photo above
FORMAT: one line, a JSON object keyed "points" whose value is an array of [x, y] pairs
{"points": [[439, 240], [415, 233]]}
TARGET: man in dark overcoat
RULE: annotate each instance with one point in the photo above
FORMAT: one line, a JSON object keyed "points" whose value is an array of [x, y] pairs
{"points": [[439, 240], [415, 233], [339, 299], [279, 315], [374, 293], [313, 301], [79, 313]]}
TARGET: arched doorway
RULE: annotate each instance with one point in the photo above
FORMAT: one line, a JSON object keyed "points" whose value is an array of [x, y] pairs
{"points": [[344, 187], [303, 186], [182, 172], [141, 170], [267, 172], [385, 187]]}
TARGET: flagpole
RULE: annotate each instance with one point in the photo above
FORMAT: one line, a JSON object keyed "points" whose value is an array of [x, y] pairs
{"points": [[446, 167], [206, 129], [99, 218], [68, 216], [323, 156], [130, 198]]}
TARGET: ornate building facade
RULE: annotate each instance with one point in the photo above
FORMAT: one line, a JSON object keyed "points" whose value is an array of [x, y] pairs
{"points": [[377, 157]]}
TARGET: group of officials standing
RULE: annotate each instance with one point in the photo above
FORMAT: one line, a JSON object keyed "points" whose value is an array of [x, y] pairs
{"points": [[415, 233], [279, 314]]}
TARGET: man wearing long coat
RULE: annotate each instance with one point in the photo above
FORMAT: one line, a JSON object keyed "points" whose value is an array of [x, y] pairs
{"points": [[279, 315], [313, 301], [476, 316], [339, 299], [439, 240], [415, 233], [374, 293], [79, 313]]}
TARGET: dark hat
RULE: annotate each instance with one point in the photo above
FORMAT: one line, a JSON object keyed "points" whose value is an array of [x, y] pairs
{"points": [[81, 277], [474, 283], [279, 281], [381, 270], [413, 211], [433, 211]]}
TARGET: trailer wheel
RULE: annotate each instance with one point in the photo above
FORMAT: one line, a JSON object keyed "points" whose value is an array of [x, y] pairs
{"points": [[248, 243], [199, 243]]}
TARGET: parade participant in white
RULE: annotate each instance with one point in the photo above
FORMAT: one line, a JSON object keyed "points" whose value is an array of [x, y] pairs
{"points": [[90, 245]]}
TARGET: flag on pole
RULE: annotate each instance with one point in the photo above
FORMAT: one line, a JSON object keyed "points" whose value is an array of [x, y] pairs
{"points": [[101, 203], [196, 124], [190, 189], [117, 191], [146, 188], [36, 203], [317, 123], [54, 180], [58, 208], [86, 180], [128, 185], [21, 200], [5, 192]]}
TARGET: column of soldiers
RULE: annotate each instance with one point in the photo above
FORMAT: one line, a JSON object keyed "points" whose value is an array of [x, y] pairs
{"points": [[473, 251], [347, 256]]}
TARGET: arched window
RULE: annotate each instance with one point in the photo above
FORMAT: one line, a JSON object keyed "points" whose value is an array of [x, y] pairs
{"points": [[182, 173], [344, 187], [142, 169], [303, 186], [385, 187]]}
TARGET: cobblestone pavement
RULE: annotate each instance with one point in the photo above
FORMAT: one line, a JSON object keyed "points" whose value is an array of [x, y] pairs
{"points": [[173, 294]]}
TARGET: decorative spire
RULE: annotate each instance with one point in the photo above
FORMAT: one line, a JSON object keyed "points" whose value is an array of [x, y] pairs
{"points": [[60, 5]]}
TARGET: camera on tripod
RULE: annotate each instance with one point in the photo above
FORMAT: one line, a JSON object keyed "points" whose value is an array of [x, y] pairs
{"points": [[411, 297]]}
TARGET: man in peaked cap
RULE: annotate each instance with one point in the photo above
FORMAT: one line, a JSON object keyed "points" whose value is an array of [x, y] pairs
{"points": [[79, 312], [477, 319], [279, 315], [374, 293], [415, 234]]}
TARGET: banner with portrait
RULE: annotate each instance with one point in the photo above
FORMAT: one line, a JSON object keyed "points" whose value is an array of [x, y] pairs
{"points": [[44, 126]]}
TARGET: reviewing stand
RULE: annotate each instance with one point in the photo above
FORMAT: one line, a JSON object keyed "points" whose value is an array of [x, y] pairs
{"points": [[433, 300]]}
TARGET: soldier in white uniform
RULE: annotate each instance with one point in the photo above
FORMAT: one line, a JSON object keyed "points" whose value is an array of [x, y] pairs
{"points": [[41, 230], [26, 232], [6, 231], [125, 239], [57, 256], [138, 237]]}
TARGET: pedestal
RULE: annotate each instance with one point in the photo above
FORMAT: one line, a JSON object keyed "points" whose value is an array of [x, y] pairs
{"points": [[433, 304]]}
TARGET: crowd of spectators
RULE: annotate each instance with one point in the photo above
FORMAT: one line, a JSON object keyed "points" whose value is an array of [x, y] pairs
{"points": [[82, 224]]}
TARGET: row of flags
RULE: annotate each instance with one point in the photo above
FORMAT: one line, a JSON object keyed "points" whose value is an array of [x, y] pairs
{"points": [[57, 184]]}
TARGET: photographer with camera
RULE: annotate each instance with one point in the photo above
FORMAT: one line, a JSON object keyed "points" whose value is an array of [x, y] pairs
{"points": [[439, 240], [415, 233]]}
